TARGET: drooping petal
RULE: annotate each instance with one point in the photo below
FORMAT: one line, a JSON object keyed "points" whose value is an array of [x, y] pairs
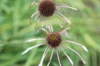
{"points": [[63, 18], [48, 26], [76, 53], [66, 33], [77, 44], [34, 14], [68, 57], [33, 2], [58, 58], [61, 32], [43, 56], [44, 30], [37, 17], [34, 39], [50, 58], [66, 6], [28, 49], [51, 27]]}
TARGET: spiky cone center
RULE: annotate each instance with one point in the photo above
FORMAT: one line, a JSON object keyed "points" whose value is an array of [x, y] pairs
{"points": [[47, 8], [54, 39]]}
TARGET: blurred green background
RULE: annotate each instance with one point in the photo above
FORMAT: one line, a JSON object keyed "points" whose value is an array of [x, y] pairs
{"points": [[15, 29]]}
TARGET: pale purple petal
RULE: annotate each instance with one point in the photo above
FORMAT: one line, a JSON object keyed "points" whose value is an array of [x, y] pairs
{"points": [[68, 28]]}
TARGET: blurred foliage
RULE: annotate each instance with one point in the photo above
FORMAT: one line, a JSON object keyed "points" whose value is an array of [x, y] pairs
{"points": [[15, 29]]}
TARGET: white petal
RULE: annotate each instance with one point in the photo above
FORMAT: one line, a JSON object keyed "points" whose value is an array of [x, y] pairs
{"points": [[50, 58], [37, 17], [35, 39], [77, 44], [44, 54], [63, 18], [34, 2], [58, 58], [66, 6], [76, 53], [45, 30], [34, 14], [42, 24], [68, 57], [48, 26], [66, 33], [28, 49], [51, 27], [65, 30]]}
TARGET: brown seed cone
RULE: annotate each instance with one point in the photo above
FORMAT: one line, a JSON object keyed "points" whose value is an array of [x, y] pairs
{"points": [[54, 39], [47, 8]]}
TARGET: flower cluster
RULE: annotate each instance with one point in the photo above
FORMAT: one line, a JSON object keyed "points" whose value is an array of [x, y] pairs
{"points": [[53, 40]]}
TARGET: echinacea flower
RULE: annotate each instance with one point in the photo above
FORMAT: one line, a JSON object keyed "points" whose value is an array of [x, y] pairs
{"points": [[47, 8], [54, 40]]}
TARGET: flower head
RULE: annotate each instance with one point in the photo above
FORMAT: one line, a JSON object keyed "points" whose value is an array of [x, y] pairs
{"points": [[47, 8], [54, 41]]}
